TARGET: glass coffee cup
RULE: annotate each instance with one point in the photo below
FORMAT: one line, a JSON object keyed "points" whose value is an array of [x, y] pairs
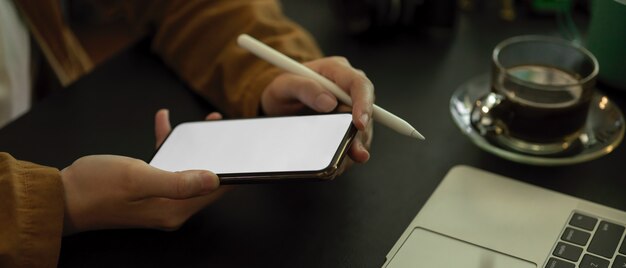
{"points": [[541, 89]]}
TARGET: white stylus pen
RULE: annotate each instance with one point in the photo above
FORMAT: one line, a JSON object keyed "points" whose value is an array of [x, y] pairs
{"points": [[282, 61]]}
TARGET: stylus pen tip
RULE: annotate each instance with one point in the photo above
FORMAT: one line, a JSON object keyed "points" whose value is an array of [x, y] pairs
{"points": [[417, 135]]}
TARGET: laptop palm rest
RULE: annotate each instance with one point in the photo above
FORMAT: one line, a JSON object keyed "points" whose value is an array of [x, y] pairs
{"points": [[424, 248]]}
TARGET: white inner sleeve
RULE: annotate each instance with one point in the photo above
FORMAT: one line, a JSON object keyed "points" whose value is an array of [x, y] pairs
{"points": [[15, 78]]}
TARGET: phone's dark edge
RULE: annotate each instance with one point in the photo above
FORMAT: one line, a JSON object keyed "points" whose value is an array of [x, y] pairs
{"points": [[325, 174]]}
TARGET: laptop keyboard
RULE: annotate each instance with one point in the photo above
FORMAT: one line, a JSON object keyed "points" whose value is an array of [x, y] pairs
{"points": [[589, 242]]}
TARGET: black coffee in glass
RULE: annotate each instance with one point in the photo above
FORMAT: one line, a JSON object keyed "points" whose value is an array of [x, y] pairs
{"points": [[542, 118], [541, 89]]}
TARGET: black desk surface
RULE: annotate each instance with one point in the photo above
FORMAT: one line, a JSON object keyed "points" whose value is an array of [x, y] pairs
{"points": [[352, 221]]}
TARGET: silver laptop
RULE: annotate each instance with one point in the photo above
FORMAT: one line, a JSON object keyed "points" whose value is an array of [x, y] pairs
{"points": [[479, 219]]}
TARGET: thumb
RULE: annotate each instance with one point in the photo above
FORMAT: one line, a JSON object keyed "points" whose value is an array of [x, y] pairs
{"points": [[178, 185], [313, 94], [307, 91]]}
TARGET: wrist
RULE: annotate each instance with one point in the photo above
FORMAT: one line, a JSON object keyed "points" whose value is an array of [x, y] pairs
{"points": [[70, 214]]}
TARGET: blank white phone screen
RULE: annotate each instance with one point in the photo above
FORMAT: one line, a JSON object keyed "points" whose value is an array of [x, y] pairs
{"points": [[275, 144]]}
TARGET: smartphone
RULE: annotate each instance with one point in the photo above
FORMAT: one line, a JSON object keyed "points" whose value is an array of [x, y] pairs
{"points": [[258, 150]]}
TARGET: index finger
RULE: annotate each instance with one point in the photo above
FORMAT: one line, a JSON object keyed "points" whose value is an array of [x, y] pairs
{"points": [[162, 126], [353, 81], [362, 93]]}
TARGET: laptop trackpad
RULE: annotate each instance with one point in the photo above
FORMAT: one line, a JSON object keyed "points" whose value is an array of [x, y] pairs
{"points": [[424, 248]]}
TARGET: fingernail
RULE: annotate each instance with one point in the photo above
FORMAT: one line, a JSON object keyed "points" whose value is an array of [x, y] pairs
{"points": [[365, 119], [325, 103], [209, 181]]}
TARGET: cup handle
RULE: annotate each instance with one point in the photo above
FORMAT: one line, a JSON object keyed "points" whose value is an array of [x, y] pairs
{"points": [[483, 117]]}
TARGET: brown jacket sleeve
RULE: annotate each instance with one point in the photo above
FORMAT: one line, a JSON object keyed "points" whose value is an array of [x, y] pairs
{"points": [[198, 40], [31, 214]]}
